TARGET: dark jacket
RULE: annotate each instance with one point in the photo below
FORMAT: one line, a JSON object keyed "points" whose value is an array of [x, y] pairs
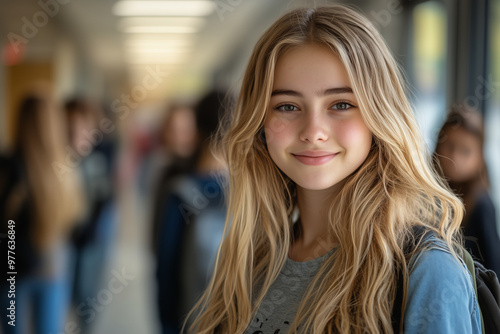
{"points": [[481, 235], [13, 178]]}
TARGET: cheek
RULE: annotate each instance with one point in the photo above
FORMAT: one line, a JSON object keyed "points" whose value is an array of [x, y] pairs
{"points": [[474, 163], [444, 161], [276, 130], [354, 134]]}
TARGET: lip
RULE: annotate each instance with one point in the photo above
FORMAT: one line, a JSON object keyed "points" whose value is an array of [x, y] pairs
{"points": [[314, 158]]}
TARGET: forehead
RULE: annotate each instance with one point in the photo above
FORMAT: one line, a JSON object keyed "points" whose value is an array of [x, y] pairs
{"points": [[457, 134], [310, 66]]}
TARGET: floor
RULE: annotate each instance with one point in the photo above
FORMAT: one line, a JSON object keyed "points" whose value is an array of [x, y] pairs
{"points": [[131, 310]]}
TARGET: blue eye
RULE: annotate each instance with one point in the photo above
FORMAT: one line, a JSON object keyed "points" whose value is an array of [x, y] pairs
{"points": [[342, 106], [286, 108]]}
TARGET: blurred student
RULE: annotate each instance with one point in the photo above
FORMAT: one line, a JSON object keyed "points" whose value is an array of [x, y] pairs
{"points": [[93, 238], [177, 140], [44, 205], [192, 224], [460, 155]]}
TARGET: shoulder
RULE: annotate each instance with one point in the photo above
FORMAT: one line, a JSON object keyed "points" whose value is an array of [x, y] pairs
{"points": [[482, 218], [484, 203], [181, 188], [435, 255], [197, 190], [437, 266], [190, 195], [441, 297], [483, 207], [484, 197]]}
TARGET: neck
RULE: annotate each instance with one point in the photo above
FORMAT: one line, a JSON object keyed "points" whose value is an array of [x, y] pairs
{"points": [[314, 238], [313, 207]]}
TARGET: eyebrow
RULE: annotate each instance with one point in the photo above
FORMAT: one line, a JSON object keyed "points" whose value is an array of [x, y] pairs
{"points": [[330, 91]]}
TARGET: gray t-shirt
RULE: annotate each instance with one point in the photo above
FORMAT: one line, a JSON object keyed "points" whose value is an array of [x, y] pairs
{"points": [[441, 296], [281, 302]]}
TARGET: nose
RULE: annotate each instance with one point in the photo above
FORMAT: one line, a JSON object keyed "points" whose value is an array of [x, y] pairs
{"points": [[314, 128]]}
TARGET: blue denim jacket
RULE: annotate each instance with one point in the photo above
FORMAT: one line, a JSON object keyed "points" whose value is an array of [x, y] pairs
{"points": [[441, 297]]}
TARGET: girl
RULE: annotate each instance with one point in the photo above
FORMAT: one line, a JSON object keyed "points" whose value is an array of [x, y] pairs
{"points": [[327, 178], [45, 201], [460, 155]]}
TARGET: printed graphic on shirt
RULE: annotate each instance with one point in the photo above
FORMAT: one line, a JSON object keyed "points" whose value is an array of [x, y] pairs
{"points": [[279, 307], [259, 322]]}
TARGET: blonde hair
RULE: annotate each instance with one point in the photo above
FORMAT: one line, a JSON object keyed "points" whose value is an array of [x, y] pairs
{"points": [[40, 141], [395, 189]]}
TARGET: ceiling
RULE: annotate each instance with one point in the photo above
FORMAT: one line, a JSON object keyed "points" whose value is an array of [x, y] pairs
{"points": [[194, 50]]}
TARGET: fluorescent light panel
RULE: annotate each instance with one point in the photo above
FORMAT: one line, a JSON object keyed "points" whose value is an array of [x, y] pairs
{"points": [[161, 25], [160, 30], [160, 21], [163, 8], [174, 56], [158, 42], [156, 50], [164, 60]]}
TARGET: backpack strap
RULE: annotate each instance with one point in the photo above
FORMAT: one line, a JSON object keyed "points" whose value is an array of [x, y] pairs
{"points": [[396, 316], [469, 262], [419, 233]]}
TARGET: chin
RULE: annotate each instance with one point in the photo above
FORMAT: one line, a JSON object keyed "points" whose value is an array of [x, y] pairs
{"points": [[316, 184]]}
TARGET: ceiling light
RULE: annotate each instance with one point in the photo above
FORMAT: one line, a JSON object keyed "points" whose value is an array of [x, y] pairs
{"points": [[160, 21], [163, 8], [135, 42], [164, 60], [160, 30], [157, 50], [157, 57]]}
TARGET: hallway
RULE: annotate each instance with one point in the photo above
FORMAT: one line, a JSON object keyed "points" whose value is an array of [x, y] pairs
{"points": [[132, 310]]}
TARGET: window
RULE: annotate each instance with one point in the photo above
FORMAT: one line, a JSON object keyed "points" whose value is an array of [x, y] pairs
{"points": [[492, 113], [427, 67]]}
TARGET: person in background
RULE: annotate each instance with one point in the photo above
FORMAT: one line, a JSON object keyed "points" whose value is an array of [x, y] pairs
{"points": [[178, 140], [192, 224], [459, 152], [93, 239], [44, 206], [178, 133]]}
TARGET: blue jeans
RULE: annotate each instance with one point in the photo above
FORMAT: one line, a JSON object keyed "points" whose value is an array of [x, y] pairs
{"points": [[92, 259], [44, 301]]}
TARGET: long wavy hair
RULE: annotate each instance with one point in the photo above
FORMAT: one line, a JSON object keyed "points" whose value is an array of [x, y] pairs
{"points": [[40, 140], [395, 189]]}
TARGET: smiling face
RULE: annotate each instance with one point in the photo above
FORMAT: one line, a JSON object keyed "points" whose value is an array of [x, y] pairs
{"points": [[314, 129]]}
